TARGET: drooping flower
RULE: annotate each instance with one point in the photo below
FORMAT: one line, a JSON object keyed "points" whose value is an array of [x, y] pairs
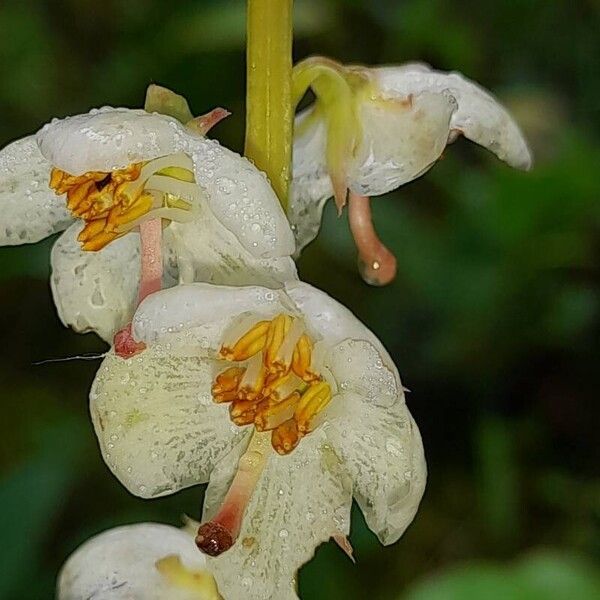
{"points": [[285, 402], [371, 130], [105, 175], [146, 561]]}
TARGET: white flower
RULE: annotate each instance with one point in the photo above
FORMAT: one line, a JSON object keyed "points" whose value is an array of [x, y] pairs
{"points": [[146, 561], [372, 130], [316, 415], [109, 172]]}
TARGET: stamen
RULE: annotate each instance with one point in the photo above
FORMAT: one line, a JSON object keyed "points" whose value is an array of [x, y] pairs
{"points": [[285, 437], [227, 383], [282, 359], [249, 344], [377, 265], [220, 533], [270, 414], [277, 390], [302, 359], [121, 200], [278, 329], [253, 379], [312, 402]]}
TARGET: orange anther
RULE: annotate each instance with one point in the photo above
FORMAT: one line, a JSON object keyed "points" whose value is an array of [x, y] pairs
{"points": [[99, 241], [226, 384], [285, 437], [91, 229], [242, 412], [249, 344]]}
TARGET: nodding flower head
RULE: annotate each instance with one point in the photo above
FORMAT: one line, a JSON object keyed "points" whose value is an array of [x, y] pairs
{"points": [[284, 402], [106, 175], [371, 130]]}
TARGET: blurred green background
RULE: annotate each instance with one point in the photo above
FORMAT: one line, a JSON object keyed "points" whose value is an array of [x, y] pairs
{"points": [[494, 318]]}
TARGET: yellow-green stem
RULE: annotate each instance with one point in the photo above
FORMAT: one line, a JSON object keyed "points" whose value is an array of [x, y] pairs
{"points": [[269, 112]]}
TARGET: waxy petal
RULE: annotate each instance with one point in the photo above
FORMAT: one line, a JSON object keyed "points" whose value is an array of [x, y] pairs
{"points": [[402, 138], [480, 117], [205, 250], [208, 309], [237, 193], [158, 427], [95, 291], [241, 197], [30, 209], [381, 450], [300, 501], [120, 564], [107, 139], [359, 368], [311, 184]]}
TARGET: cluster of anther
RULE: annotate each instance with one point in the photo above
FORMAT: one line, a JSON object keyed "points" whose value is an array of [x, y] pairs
{"points": [[113, 203], [276, 389], [97, 198]]}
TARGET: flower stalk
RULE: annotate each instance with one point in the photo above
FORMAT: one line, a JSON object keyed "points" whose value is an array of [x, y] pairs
{"points": [[269, 112]]}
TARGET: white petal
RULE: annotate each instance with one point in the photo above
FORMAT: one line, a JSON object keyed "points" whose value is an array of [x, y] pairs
{"points": [[358, 367], [31, 211], [301, 500], [311, 184], [328, 318], [400, 141], [158, 427], [480, 117], [119, 564], [205, 250], [241, 198], [209, 309], [108, 138], [95, 291], [382, 451]]}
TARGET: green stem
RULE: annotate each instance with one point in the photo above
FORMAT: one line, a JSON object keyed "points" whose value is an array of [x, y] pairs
{"points": [[269, 112]]}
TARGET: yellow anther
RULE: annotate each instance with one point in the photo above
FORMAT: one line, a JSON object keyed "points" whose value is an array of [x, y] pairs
{"points": [[270, 414], [312, 402], [279, 328], [285, 437], [249, 344], [197, 580], [302, 358]]}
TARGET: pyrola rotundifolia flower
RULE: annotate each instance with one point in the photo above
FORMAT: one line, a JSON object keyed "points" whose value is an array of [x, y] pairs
{"points": [[371, 130], [114, 171], [285, 402], [147, 561]]}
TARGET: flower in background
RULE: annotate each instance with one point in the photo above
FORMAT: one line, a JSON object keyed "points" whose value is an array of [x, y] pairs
{"points": [[284, 402], [146, 561], [371, 130], [105, 175]]}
